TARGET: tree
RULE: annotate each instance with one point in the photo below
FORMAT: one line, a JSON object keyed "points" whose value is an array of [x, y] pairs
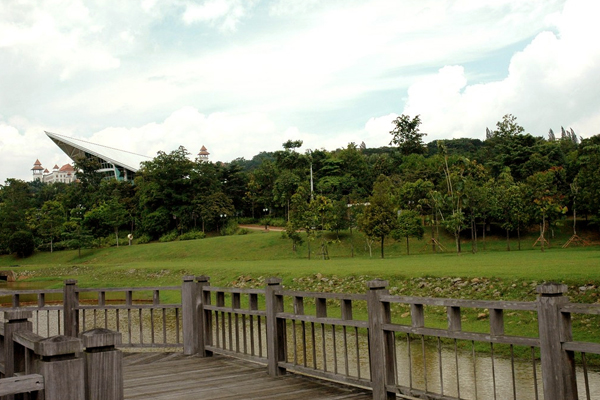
{"points": [[304, 214], [379, 217], [409, 225], [21, 242], [74, 231], [406, 135], [52, 217], [110, 213]]}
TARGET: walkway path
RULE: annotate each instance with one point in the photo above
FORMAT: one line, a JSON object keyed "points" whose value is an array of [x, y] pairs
{"points": [[175, 376]]}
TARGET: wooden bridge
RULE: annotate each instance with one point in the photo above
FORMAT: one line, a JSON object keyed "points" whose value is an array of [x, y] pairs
{"points": [[258, 343], [162, 376]]}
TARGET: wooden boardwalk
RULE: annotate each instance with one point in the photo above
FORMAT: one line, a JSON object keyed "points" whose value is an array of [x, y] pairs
{"points": [[176, 376]]}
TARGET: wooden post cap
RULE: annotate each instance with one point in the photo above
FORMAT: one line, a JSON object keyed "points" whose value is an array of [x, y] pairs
{"points": [[188, 278], [202, 278], [70, 281], [100, 337], [16, 315], [552, 289], [377, 284], [273, 281], [58, 345]]}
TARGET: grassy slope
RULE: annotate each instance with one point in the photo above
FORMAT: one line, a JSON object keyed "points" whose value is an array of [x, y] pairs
{"points": [[246, 260], [259, 254]]}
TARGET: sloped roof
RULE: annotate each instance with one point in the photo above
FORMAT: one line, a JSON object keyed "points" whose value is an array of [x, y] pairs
{"points": [[67, 168], [76, 148], [37, 165]]}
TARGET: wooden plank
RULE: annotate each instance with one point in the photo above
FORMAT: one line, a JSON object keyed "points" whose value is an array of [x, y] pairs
{"points": [[21, 384], [432, 301], [478, 337]]}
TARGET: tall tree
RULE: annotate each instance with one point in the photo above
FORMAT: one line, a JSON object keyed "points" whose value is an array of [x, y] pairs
{"points": [[406, 135], [379, 217], [409, 225]]}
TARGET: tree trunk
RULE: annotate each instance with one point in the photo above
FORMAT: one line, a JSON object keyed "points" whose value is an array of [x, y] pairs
{"points": [[484, 226], [519, 236], [457, 241], [117, 235], [407, 246], [382, 238], [507, 240], [308, 242], [433, 248], [542, 228], [473, 235]]}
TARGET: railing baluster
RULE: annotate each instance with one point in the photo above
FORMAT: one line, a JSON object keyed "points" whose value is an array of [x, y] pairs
{"points": [[357, 352], [493, 369], [585, 376], [335, 365], [439, 349], [535, 381], [177, 321]]}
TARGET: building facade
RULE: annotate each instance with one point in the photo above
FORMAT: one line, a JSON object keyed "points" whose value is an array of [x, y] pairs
{"points": [[65, 174]]}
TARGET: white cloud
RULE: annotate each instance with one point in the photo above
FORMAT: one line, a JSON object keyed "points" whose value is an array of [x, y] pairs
{"points": [[226, 14], [552, 82]]}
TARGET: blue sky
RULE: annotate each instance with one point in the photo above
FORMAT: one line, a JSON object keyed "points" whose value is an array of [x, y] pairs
{"points": [[244, 76]]}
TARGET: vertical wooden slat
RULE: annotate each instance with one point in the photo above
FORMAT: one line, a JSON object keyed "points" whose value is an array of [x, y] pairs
{"points": [[275, 327]]}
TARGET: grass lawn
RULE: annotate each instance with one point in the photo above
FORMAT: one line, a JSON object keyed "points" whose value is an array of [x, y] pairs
{"points": [[246, 260]]}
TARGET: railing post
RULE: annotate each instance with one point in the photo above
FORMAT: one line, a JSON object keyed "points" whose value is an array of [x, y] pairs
{"points": [[204, 330], [103, 365], [14, 321], [275, 327], [558, 366], [63, 372], [190, 320], [70, 304], [381, 344]]}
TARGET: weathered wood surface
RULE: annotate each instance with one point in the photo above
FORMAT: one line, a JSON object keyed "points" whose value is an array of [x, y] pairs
{"points": [[162, 376]]}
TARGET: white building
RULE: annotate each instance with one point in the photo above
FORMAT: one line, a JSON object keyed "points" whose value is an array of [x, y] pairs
{"points": [[65, 174]]}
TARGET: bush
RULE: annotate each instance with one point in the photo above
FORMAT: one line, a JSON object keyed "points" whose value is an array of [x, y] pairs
{"points": [[143, 239], [279, 222], [192, 235], [247, 220], [230, 228], [243, 231], [168, 237], [22, 243], [56, 246]]}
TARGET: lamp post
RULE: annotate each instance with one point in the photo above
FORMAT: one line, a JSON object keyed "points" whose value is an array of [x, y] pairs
{"points": [[223, 216], [266, 210]]}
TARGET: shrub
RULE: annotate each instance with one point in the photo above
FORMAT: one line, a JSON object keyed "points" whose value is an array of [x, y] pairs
{"points": [[56, 246], [192, 235], [169, 237], [247, 220], [229, 228], [22, 243], [279, 222], [143, 239], [243, 231]]}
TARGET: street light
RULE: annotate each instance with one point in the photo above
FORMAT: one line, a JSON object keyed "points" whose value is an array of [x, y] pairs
{"points": [[266, 210]]}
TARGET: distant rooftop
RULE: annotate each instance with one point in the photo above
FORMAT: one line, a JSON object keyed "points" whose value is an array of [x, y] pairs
{"points": [[123, 163]]}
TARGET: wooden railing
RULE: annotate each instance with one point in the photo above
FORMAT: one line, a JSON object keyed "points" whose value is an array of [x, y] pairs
{"points": [[391, 349], [59, 367]]}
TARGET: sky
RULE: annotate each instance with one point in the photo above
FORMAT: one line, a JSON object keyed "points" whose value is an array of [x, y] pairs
{"points": [[244, 76]]}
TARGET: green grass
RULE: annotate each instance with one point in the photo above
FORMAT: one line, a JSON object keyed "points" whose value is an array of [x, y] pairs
{"points": [[224, 258], [246, 260]]}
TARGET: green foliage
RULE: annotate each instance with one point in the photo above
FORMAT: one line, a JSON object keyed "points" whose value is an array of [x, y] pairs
{"points": [[379, 217], [169, 237], [406, 135], [21, 243], [409, 225], [229, 228], [143, 239], [192, 235]]}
